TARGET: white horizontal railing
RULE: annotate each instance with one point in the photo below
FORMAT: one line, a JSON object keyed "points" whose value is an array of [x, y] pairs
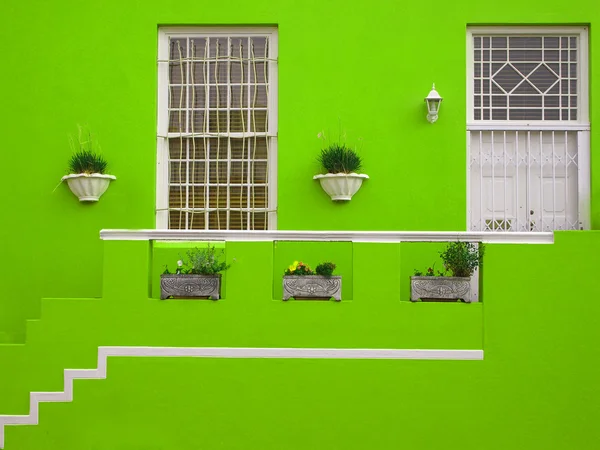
{"points": [[390, 237]]}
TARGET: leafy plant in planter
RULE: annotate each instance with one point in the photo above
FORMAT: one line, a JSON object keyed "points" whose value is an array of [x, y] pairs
{"points": [[198, 276], [300, 282], [460, 259], [325, 269], [87, 161], [342, 164], [430, 272], [87, 177], [338, 158]]}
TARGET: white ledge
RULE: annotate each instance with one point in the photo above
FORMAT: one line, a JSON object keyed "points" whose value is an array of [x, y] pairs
{"points": [[491, 126], [389, 237]]}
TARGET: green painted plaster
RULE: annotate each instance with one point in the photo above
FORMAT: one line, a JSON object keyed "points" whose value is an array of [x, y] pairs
{"points": [[537, 326], [368, 65]]}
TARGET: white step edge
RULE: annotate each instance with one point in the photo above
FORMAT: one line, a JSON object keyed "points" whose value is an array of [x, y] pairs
{"points": [[220, 352]]}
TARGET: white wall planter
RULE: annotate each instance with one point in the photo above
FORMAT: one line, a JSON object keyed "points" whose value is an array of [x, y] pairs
{"points": [[315, 287], [89, 187], [341, 186], [440, 288]]}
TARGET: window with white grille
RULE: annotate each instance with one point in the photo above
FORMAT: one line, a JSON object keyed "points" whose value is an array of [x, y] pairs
{"points": [[528, 129], [217, 129]]}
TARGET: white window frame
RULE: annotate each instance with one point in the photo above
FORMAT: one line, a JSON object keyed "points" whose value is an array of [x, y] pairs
{"points": [[162, 159], [581, 125]]}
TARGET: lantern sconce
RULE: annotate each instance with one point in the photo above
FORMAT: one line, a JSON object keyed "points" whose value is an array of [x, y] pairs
{"points": [[433, 101]]}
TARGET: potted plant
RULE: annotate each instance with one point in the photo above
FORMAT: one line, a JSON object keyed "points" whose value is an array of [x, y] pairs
{"points": [[300, 282], [342, 164], [460, 259], [198, 276], [87, 177]]}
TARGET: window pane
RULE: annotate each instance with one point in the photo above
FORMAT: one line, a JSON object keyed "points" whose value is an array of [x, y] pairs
{"points": [[177, 121], [196, 221], [219, 90], [177, 148], [524, 71], [178, 172], [238, 220], [177, 220], [197, 172]]}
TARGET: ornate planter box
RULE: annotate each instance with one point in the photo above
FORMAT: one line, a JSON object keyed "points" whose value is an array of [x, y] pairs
{"points": [[190, 286], [443, 288], [312, 287]]}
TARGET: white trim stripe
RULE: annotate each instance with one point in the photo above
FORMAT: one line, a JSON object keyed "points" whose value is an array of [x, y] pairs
{"points": [[389, 237], [220, 352], [506, 126], [290, 353]]}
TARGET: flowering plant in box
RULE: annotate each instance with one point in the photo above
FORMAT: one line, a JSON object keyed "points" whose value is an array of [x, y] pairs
{"points": [[299, 268], [300, 281]]}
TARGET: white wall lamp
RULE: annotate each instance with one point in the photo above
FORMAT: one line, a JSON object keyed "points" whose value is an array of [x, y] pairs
{"points": [[433, 101]]}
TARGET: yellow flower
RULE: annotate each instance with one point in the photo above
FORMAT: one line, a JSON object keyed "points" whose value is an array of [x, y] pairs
{"points": [[291, 268], [295, 265]]}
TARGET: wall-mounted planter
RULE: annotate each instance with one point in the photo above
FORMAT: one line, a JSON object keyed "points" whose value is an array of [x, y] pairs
{"points": [[88, 187], [312, 287], [190, 286], [440, 288], [341, 186]]}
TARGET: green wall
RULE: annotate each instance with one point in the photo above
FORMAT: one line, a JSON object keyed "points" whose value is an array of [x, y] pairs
{"points": [[535, 389], [368, 64]]}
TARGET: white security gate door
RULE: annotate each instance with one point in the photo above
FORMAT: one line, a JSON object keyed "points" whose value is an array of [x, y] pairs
{"points": [[523, 180], [528, 129]]}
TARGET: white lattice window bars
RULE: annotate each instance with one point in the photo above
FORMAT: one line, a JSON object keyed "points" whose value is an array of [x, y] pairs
{"points": [[528, 129], [525, 77], [217, 129]]}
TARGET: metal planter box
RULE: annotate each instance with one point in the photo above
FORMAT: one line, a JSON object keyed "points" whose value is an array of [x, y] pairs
{"points": [[448, 288], [312, 287], [190, 286]]}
